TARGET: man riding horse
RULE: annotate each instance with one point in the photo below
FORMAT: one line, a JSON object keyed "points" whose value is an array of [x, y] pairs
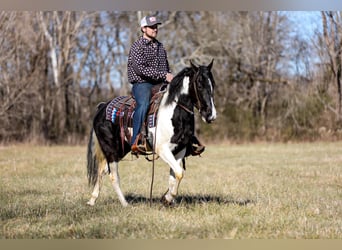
{"points": [[147, 66]]}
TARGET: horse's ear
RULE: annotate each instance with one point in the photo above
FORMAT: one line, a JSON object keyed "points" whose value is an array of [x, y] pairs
{"points": [[193, 66], [210, 64]]}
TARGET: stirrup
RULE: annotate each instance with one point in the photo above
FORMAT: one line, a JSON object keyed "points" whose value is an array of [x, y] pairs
{"points": [[140, 148], [197, 148]]}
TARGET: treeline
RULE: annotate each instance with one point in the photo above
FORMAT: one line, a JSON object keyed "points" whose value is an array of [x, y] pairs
{"points": [[273, 83]]}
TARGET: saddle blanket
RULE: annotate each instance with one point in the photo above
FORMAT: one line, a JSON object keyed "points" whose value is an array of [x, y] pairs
{"points": [[121, 110]]}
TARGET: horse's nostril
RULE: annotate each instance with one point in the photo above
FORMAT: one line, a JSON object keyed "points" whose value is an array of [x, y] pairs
{"points": [[212, 118]]}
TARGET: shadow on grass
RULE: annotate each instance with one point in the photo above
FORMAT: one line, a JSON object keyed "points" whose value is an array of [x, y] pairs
{"points": [[191, 200]]}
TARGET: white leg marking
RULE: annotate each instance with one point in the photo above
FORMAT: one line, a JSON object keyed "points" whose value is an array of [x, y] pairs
{"points": [[165, 153], [102, 168], [115, 178], [94, 194], [173, 185], [169, 196], [174, 180], [173, 188]]}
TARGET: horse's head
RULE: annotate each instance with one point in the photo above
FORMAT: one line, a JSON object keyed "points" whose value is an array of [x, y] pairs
{"points": [[202, 91]]}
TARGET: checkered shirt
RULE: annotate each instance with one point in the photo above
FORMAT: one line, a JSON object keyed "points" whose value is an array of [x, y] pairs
{"points": [[147, 62]]}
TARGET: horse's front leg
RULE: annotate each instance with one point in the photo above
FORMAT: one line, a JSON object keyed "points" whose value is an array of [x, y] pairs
{"points": [[176, 174], [170, 195]]}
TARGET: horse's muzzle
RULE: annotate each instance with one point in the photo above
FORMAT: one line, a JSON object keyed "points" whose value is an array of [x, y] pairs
{"points": [[210, 116], [211, 119]]}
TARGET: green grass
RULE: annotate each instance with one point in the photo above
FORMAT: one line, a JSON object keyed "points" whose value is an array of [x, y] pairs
{"points": [[278, 191]]}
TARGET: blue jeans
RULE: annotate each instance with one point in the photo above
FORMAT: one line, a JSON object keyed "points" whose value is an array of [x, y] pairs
{"points": [[142, 96]]}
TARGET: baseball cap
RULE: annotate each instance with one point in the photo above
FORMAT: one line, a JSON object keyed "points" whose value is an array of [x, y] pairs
{"points": [[149, 21]]}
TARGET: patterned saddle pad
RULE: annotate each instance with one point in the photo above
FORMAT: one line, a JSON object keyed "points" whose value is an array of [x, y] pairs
{"points": [[121, 109]]}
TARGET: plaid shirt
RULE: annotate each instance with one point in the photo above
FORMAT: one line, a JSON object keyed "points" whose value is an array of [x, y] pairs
{"points": [[147, 62]]}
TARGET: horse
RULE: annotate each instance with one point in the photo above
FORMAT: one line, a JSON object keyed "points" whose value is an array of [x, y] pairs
{"points": [[193, 87]]}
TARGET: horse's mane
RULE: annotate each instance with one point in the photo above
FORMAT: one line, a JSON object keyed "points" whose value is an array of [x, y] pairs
{"points": [[177, 83]]}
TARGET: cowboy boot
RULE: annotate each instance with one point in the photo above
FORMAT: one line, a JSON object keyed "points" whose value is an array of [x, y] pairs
{"points": [[197, 147]]}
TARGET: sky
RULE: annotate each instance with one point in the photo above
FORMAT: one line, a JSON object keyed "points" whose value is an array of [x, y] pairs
{"points": [[307, 22]]}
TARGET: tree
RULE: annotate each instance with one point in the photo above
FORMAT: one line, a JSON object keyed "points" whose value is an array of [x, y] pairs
{"points": [[56, 66], [20, 61], [332, 41]]}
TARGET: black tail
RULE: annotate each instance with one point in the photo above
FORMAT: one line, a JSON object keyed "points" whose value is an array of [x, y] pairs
{"points": [[94, 153], [92, 163]]}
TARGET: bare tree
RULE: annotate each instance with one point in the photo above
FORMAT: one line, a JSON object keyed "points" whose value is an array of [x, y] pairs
{"points": [[20, 62], [56, 66], [332, 34]]}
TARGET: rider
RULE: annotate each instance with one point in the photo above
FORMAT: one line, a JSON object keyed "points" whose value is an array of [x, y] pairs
{"points": [[147, 65]]}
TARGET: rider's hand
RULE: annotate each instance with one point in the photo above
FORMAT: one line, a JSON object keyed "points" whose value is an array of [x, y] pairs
{"points": [[169, 77]]}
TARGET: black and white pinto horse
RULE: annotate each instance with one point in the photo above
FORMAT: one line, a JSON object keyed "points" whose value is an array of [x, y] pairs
{"points": [[192, 87]]}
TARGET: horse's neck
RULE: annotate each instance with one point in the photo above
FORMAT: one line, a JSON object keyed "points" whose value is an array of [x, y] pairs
{"points": [[175, 91], [175, 118]]}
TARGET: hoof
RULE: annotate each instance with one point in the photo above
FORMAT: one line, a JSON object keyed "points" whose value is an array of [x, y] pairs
{"points": [[90, 203], [125, 204], [167, 203]]}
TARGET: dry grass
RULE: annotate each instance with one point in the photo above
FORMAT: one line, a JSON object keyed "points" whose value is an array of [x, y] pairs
{"points": [[233, 191]]}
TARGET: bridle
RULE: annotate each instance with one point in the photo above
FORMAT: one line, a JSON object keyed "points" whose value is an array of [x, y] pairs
{"points": [[198, 103]]}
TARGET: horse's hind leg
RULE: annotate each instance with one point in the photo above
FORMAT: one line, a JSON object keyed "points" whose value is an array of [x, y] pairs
{"points": [[115, 178], [95, 193], [103, 169]]}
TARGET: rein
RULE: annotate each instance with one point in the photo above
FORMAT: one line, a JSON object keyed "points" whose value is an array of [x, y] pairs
{"points": [[185, 108]]}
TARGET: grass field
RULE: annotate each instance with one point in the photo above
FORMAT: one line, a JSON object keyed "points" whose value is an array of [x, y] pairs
{"points": [[267, 191]]}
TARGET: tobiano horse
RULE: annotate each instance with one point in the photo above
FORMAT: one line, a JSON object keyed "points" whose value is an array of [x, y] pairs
{"points": [[109, 142]]}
